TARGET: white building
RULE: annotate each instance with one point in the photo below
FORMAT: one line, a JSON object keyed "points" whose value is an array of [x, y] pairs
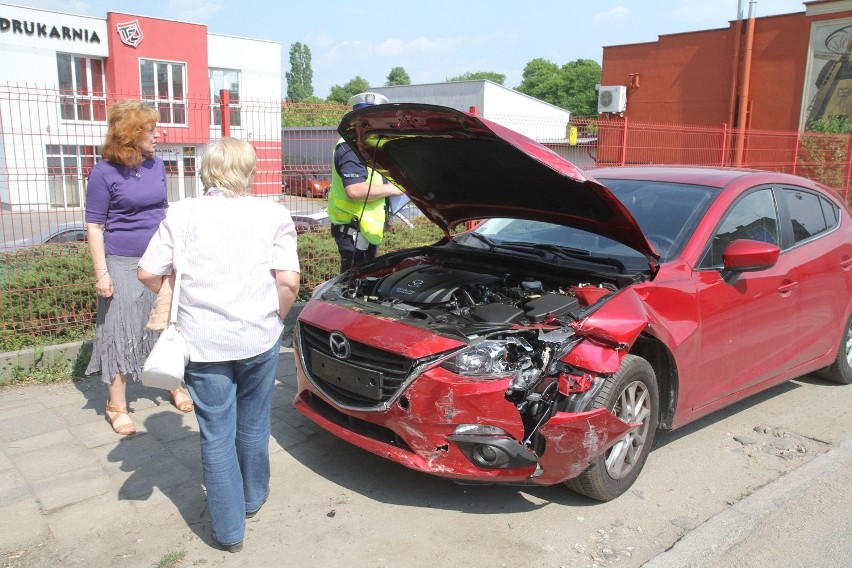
{"points": [[534, 118], [60, 72]]}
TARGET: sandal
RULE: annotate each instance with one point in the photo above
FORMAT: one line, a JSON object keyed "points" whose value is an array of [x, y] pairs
{"points": [[125, 429], [185, 404]]}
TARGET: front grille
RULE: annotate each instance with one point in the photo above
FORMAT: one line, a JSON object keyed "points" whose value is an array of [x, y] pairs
{"points": [[393, 369]]}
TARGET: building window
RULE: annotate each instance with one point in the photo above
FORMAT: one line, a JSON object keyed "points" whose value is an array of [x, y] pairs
{"points": [[81, 87], [225, 79], [163, 86], [68, 167]]}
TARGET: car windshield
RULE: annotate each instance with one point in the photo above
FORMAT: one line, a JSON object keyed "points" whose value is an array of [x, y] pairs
{"points": [[667, 213]]}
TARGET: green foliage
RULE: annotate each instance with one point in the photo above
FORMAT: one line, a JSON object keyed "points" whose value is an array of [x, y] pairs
{"points": [[172, 559], [48, 294], [300, 77], [312, 114], [822, 157], [342, 94], [498, 78], [398, 76], [571, 86], [834, 124], [54, 372], [49, 298]]}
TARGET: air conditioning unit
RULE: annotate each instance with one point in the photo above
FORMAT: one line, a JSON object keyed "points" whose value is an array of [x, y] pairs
{"points": [[612, 98]]}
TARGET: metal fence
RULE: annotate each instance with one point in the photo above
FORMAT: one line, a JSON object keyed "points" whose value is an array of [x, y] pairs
{"points": [[49, 140]]}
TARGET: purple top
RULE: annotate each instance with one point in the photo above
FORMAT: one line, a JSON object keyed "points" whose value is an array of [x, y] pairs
{"points": [[129, 202]]}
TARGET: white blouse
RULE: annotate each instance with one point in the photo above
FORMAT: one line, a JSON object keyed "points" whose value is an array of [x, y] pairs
{"points": [[228, 303]]}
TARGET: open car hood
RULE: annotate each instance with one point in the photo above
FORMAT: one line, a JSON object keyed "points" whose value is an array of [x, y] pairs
{"points": [[458, 167]]}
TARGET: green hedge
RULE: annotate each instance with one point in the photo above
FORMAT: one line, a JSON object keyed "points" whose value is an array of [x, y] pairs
{"points": [[48, 296]]}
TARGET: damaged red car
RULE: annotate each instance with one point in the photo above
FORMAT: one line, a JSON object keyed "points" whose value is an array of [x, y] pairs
{"points": [[587, 311]]}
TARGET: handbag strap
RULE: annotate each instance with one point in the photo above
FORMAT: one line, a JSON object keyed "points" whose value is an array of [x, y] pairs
{"points": [[177, 260]]}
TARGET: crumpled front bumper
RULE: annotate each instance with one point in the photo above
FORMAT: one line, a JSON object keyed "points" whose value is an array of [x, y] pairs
{"points": [[441, 419]]}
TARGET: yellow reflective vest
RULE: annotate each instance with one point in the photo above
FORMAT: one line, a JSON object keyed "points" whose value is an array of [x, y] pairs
{"points": [[341, 209]]}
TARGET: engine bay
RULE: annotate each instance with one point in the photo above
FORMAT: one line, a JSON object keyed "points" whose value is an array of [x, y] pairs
{"points": [[442, 294]]}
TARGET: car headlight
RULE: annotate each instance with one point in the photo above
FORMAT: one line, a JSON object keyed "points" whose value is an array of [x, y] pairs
{"points": [[486, 358]]}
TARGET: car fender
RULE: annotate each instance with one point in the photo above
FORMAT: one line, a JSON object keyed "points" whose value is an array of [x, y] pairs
{"points": [[608, 333]]}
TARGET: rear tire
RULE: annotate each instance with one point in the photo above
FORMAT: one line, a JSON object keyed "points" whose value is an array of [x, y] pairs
{"points": [[632, 395], [841, 370]]}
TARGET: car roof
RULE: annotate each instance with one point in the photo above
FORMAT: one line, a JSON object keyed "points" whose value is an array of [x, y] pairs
{"points": [[710, 176]]}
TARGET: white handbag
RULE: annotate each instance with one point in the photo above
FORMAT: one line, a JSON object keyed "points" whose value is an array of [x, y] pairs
{"points": [[167, 361]]}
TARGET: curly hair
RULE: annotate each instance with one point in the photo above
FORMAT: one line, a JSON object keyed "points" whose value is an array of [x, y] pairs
{"points": [[129, 121], [229, 164]]}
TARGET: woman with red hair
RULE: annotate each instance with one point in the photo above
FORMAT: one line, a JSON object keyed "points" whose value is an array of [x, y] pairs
{"points": [[126, 199]]}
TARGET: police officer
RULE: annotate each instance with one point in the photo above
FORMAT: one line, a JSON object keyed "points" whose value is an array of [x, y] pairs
{"points": [[356, 199]]}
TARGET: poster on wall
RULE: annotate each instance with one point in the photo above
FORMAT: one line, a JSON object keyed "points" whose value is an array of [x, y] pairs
{"points": [[828, 80]]}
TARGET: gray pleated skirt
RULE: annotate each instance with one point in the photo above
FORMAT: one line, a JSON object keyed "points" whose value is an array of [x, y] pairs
{"points": [[121, 341]]}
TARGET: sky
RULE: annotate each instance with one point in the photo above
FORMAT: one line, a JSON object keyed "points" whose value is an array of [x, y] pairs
{"points": [[437, 39]]}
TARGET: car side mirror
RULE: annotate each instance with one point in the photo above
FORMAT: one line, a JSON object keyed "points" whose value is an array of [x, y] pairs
{"points": [[745, 255]]}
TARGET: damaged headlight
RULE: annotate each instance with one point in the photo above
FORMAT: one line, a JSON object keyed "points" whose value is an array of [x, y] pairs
{"points": [[490, 357]]}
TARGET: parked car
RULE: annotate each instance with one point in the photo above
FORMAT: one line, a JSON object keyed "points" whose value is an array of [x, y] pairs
{"points": [[588, 311], [305, 184], [308, 221], [73, 232]]}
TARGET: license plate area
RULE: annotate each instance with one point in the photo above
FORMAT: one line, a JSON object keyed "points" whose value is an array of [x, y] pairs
{"points": [[345, 376]]}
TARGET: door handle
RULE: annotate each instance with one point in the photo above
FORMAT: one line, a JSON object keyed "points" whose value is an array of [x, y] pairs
{"points": [[846, 263], [785, 289]]}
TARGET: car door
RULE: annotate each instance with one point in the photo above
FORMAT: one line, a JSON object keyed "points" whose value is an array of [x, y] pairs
{"points": [[823, 255], [744, 323]]}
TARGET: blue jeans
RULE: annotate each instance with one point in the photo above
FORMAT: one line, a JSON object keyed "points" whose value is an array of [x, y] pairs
{"points": [[233, 403]]}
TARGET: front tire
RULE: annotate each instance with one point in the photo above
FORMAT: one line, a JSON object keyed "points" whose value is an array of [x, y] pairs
{"points": [[632, 395], [841, 370]]}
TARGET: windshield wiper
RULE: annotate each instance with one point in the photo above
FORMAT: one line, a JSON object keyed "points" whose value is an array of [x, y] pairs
{"points": [[571, 253]]}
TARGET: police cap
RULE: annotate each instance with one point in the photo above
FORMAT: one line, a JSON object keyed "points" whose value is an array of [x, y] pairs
{"points": [[367, 99]]}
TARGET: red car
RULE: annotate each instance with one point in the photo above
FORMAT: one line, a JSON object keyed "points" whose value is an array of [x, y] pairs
{"points": [[305, 184], [591, 309]]}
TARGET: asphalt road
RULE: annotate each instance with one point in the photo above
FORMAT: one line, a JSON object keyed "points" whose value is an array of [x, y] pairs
{"points": [[15, 225]]}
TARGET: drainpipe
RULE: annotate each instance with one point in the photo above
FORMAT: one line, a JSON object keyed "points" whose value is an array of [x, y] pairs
{"points": [[742, 107], [735, 71]]}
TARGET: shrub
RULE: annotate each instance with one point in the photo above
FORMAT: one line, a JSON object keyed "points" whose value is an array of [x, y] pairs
{"points": [[48, 296]]}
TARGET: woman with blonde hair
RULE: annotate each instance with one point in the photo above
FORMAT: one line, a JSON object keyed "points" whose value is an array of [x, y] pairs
{"points": [[239, 278], [125, 201]]}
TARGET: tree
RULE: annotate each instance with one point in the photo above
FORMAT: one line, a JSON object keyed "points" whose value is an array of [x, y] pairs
{"points": [[498, 78], [571, 86], [541, 80], [398, 76], [580, 78], [342, 94], [300, 77]]}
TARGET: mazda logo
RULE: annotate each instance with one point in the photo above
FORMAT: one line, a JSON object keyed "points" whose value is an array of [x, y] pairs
{"points": [[339, 345]]}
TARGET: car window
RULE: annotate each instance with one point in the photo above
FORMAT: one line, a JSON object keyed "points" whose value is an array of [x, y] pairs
{"points": [[810, 214], [753, 217], [74, 236], [667, 212]]}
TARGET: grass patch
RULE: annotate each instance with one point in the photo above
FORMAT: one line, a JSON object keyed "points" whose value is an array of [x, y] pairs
{"points": [[172, 559], [55, 372]]}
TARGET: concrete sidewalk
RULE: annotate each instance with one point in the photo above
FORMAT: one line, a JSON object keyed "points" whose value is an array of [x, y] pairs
{"points": [[72, 493], [67, 481]]}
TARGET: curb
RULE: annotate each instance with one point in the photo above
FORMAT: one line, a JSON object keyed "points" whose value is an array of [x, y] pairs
{"points": [[719, 534]]}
